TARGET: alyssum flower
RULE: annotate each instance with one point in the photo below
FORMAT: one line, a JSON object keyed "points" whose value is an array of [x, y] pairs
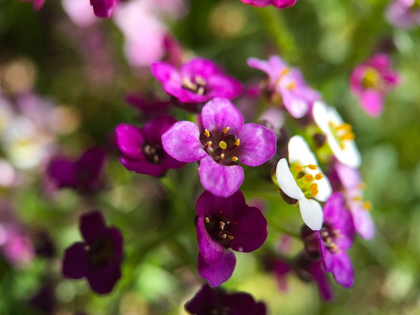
{"points": [[286, 85], [141, 148], [224, 223], [371, 81], [224, 142], [281, 4], [302, 180], [404, 13], [99, 257], [339, 135], [208, 301], [197, 81], [103, 8]]}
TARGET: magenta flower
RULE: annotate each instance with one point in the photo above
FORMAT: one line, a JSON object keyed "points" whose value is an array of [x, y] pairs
{"points": [[224, 223], [37, 3], [84, 174], [141, 148], [98, 258], [371, 81], [224, 142], [103, 8], [208, 301], [286, 86], [281, 4], [197, 81], [404, 13]]}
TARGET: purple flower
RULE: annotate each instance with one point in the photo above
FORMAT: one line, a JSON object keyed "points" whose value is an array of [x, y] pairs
{"points": [[287, 86], [197, 81], [404, 13], [224, 223], [148, 106], [335, 237], [281, 4], [371, 81], [141, 149], [84, 174], [224, 141], [208, 301], [37, 3], [103, 8], [99, 257]]}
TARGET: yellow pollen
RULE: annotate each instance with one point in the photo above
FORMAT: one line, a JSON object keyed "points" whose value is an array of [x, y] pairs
{"points": [[291, 85], [226, 129], [309, 177], [357, 198], [200, 90], [314, 186], [319, 176], [200, 80], [209, 143], [367, 205], [206, 133], [223, 236], [237, 142], [207, 220], [222, 145], [222, 156], [362, 186], [347, 136], [298, 168], [342, 146], [331, 124], [284, 72], [314, 193], [313, 166], [230, 237], [234, 159], [344, 126]]}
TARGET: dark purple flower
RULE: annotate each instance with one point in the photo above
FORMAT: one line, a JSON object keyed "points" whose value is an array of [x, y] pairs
{"points": [[224, 142], [141, 148], [210, 301], [45, 300], [281, 4], [99, 257], [103, 8], [225, 223], [197, 81], [84, 174], [148, 106]]}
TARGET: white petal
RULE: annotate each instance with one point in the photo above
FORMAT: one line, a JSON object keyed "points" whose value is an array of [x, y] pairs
{"points": [[324, 189], [311, 212], [299, 152], [320, 114], [287, 182], [334, 116]]}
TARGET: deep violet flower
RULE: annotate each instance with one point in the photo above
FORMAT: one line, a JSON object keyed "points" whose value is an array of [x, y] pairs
{"points": [[103, 8], [84, 174], [197, 81], [404, 13], [281, 4], [224, 142], [148, 106], [224, 223], [286, 86], [208, 301], [141, 148], [37, 3], [371, 81], [99, 257]]}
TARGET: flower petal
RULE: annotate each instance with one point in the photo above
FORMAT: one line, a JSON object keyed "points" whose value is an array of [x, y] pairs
{"points": [[155, 128], [232, 207], [287, 182], [103, 279], [62, 172], [143, 167], [220, 272], [220, 113], [92, 226], [343, 270], [206, 297], [223, 86], [311, 212], [75, 264], [130, 141], [210, 250], [165, 72], [372, 102], [321, 279], [299, 152], [181, 142], [295, 105], [258, 144], [363, 222]]}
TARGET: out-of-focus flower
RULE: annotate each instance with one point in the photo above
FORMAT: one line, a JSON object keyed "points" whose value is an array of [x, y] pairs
{"points": [[9, 176], [44, 245], [404, 13], [303, 180], [99, 257], [45, 300], [84, 174], [208, 301], [281, 4], [103, 8], [37, 3], [286, 86], [340, 137], [148, 106], [141, 148], [225, 141], [225, 223], [80, 12], [197, 81], [353, 192], [371, 81]]}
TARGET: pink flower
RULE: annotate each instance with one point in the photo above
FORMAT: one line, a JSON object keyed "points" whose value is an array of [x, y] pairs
{"points": [[37, 3], [281, 4], [371, 81], [404, 13]]}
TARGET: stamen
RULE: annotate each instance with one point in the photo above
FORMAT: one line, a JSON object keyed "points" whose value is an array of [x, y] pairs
{"points": [[308, 177], [206, 133], [324, 234], [314, 193], [314, 186], [237, 142], [230, 237], [207, 220], [298, 168], [344, 126], [367, 205], [313, 166], [223, 235], [200, 80], [234, 159], [357, 198], [155, 158], [284, 72], [226, 129], [186, 82], [222, 156], [291, 85], [200, 90], [347, 136], [319, 176], [222, 145], [222, 225], [209, 143]]}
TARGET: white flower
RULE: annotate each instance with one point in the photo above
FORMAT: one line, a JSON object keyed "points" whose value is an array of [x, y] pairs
{"points": [[303, 180], [339, 135]]}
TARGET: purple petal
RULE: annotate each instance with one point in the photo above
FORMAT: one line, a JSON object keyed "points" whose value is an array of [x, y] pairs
{"points": [[220, 113], [75, 264], [372, 102], [218, 273], [62, 172], [92, 226], [240, 304], [211, 251], [321, 279], [343, 270], [143, 167], [220, 180], [181, 142], [223, 86], [130, 141], [170, 163], [199, 67], [231, 207], [326, 257], [155, 128], [282, 4], [164, 72], [363, 222], [257, 3], [281, 270], [250, 231], [103, 279], [204, 298], [91, 163], [103, 8], [258, 144], [118, 240], [296, 106]]}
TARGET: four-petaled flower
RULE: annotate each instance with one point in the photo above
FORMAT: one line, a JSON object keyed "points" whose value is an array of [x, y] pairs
{"points": [[339, 135], [371, 81], [197, 81], [286, 85], [224, 223], [404, 13], [224, 142], [208, 301], [103, 8], [301, 180], [281, 4], [141, 148], [99, 257]]}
